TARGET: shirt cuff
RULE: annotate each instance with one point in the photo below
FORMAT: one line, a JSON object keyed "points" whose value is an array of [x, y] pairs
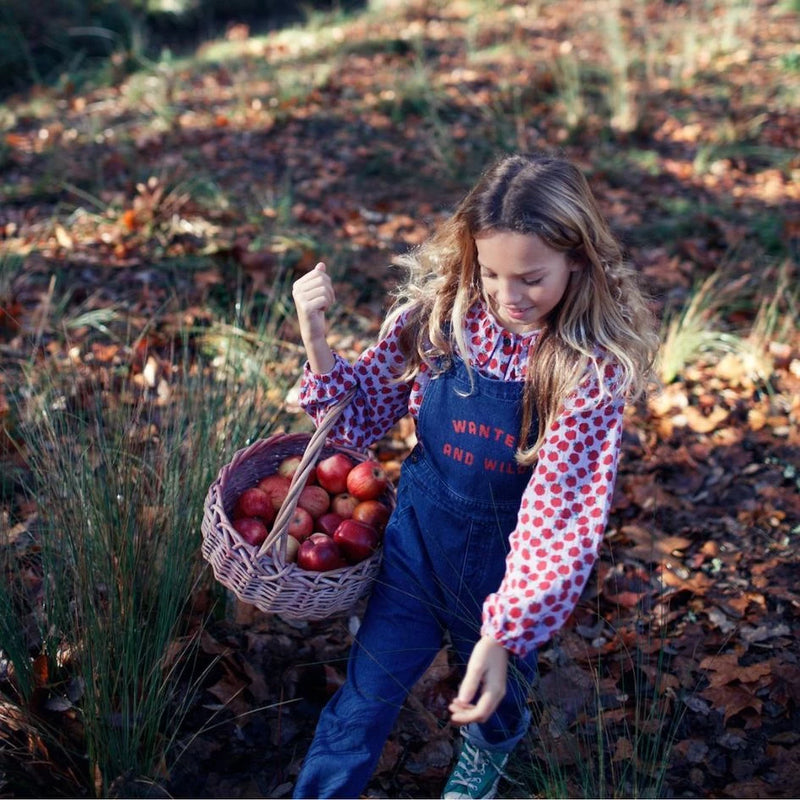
{"points": [[516, 646], [329, 386]]}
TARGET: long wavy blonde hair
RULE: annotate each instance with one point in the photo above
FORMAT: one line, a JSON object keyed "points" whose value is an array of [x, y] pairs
{"points": [[603, 317]]}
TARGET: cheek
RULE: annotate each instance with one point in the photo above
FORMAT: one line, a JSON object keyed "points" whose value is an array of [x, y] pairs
{"points": [[565, 282], [551, 294]]}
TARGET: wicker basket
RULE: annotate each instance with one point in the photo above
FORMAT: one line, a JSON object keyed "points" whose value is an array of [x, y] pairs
{"points": [[261, 575]]}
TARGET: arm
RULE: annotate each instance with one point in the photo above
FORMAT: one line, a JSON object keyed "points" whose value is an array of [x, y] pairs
{"points": [[380, 400], [313, 296], [559, 529], [560, 525]]}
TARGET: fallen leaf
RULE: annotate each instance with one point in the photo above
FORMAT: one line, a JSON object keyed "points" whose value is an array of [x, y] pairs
{"points": [[653, 544], [58, 703], [623, 750], [738, 605], [763, 633], [213, 646], [390, 756], [725, 669], [732, 699], [672, 397], [228, 690], [705, 423], [129, 219], [752, 787], [696, 582], [63, 238], [786, 772], [434, 756], [693, 750]]}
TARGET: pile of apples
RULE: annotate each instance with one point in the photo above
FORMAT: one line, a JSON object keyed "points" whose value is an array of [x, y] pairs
{"points": [[339, 519]]}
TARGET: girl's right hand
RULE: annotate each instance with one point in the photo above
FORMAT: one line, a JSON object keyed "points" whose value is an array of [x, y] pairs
{"points": [[313, 295]]}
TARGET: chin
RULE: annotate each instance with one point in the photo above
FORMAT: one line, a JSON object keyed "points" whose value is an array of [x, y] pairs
{"points": [[520, 325]]}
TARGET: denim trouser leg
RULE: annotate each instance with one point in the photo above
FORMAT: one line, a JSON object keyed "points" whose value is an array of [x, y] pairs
{"points": [[509, 723], [438, 566], [396, 643]]}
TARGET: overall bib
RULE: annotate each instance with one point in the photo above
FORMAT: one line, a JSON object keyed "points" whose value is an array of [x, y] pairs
{"points": [[444, 552]]}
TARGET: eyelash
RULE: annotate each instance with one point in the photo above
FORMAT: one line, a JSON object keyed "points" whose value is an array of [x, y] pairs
{"points": [[527, 281]]}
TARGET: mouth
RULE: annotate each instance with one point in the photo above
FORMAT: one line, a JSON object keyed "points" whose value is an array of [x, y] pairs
{"points": [[516, 313]]}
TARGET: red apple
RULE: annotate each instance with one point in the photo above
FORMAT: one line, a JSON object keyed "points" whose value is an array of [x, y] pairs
{"points": [[289, 465], [373, 512], [367, 480], [332, 472], [356, 540], [328, 523], [251, 529], [253, 502], [301, 525], [343, 505], [315, 500], [292, 546], [276, 487], [319, 553]]}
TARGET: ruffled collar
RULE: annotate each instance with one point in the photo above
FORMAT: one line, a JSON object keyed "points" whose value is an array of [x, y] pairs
{"points": [[481, 310], [500, 352]]}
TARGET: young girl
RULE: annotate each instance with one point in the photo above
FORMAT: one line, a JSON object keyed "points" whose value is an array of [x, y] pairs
{"points": [[514, 344]]}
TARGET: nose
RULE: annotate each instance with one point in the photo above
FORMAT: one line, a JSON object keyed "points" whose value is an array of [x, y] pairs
{"points": [[507, 292]]}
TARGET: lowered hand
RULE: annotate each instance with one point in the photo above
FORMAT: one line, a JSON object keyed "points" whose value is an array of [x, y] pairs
{"points": [[486, 673]]}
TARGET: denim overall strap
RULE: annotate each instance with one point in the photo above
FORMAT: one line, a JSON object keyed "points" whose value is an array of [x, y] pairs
{"points": [[468, 431]]}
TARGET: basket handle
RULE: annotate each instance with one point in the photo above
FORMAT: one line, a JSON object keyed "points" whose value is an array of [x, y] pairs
{"points": [[307, 461]]}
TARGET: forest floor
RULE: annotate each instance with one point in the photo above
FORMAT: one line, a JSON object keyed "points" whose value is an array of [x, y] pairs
{"points": [[348, 139]]}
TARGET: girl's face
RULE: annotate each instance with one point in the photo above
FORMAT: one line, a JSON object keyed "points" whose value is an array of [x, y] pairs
{"points": [[523, 279]]}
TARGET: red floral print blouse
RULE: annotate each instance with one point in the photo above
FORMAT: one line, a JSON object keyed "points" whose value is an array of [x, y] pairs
{"points": [[564, 509]]}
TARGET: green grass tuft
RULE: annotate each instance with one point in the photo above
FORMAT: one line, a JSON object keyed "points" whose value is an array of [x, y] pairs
{"points": [[119, 465]]}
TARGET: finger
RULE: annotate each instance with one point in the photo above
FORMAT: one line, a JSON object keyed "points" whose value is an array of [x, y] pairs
{"points": [[486, 705], [469, 686], [462, 718], [318, 275], [463, 714], [308, 281], [306, 291], [318, 296], [311, 290], [313, 274]]}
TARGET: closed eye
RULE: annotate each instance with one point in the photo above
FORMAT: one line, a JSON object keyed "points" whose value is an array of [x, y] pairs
{"points": [[530, 279], [534, 281]]}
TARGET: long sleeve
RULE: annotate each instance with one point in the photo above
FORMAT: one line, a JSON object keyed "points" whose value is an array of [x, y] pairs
{"points": [[561, 522], [380, 399]]}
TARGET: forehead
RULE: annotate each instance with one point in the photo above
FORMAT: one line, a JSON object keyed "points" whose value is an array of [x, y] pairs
{"points": [[516, 252]]}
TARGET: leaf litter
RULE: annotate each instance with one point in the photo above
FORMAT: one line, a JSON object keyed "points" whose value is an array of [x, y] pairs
{"points": [[693, 606]]}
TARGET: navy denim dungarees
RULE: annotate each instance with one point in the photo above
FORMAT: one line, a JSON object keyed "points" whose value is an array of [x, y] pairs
{"points": [[444, 552]]}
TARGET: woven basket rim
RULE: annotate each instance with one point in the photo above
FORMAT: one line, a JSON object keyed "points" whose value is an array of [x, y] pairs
{"points": [[261, 574]]}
